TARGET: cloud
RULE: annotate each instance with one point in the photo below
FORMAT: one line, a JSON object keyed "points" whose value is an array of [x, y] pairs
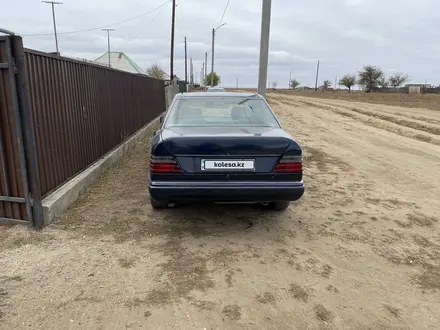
{"points": [[345, 35]]}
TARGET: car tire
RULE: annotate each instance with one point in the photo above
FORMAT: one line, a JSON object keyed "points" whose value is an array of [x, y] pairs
{"points": [[279, 205], [158, 205]]}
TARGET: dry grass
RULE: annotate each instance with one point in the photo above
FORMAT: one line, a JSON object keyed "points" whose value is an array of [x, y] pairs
{"points": [[430, 278], [127, 262], [232, 312], [298, 292], [323, 314], [265, 298], [15, 237]]}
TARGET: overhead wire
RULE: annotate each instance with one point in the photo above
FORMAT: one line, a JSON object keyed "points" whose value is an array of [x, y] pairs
{"points": [[181, 6], [224, 12], [98, 28], [144, 27]]}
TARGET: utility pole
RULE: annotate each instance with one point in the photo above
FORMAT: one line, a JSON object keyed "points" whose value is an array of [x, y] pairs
{"points": [[173, 19], [195, 76], [317, 74], [290, 78], [206, 67], [202, 76], [202, 82], [336, 79], [191, 75], [237, 82], [212, 60], [53, 3], [108, 44], [186, 64], [264, 46]]}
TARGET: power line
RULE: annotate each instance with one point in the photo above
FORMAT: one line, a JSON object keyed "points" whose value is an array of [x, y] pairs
{"points": [[179, 5], [224, 12], [144, 27], [98, 28]]}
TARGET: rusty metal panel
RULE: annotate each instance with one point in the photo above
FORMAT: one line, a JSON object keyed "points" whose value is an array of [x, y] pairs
{"points": [[81, 111]]}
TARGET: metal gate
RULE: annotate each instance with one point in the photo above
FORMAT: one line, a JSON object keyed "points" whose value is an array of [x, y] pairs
{"points": [[20, 199], [182, 86]]}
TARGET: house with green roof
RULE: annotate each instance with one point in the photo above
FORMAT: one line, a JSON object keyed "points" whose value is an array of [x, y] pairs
{"points": [[120, 61]]}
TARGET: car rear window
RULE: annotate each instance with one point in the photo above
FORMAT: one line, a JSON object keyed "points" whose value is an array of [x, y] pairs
{"points": [[221, 111]]}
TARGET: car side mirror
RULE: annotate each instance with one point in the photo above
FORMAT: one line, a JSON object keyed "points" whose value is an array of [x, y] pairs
{"points": [[161, 119]]}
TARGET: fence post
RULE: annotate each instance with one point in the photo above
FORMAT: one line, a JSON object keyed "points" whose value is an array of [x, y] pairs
{"points": [[170, 91], [27, 123]]}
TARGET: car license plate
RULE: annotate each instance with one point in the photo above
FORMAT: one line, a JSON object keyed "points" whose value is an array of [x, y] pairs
{"points": [[228, 164]]}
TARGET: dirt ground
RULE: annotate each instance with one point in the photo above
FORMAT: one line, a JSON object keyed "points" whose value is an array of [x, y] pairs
{"points": [[426, 101], [360, 250]]}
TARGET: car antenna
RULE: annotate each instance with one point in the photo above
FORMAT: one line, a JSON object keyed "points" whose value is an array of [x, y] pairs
{"points": [[246, 99]]}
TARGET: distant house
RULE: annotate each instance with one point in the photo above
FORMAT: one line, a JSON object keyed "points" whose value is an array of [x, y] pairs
{"points": [[418, 85], [304, 88], [82, 59], [166, 76], [120, 61]]}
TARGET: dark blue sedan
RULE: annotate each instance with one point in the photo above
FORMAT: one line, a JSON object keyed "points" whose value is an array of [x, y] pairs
{"points": [[223, 147]]}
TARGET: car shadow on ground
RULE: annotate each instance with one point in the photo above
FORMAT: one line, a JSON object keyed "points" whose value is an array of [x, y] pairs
{"points": [[220, 217], [139, 221], [200, 220]]}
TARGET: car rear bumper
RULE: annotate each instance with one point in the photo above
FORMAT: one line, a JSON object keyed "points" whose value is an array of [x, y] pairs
{"points": [[226, 191]]}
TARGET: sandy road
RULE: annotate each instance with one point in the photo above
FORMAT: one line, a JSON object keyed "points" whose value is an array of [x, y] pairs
{"points": [[361, 250]]}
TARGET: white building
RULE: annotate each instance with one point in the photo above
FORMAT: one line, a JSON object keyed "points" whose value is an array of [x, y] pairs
{"points": [[120, 61]]}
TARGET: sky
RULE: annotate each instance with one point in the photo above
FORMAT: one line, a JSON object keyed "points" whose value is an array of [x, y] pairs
{"points": [[344, 35]]}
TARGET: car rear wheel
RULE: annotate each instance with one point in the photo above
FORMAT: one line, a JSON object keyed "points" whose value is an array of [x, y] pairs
{"points": [[158, 205], [279, 205]]}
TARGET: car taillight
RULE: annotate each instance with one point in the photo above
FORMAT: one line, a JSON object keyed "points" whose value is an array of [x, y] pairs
{"points": [[289, 164], [164, 165]]}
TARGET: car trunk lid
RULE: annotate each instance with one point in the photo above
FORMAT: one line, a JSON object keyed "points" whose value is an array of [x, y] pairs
{"points": [[197, 149]]}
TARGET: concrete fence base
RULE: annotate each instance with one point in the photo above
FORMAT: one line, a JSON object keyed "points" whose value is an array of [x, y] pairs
{"points": [[170, 91], [60, 200]]}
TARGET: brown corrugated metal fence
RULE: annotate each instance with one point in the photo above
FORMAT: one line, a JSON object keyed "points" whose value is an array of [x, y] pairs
{"points": [[57, 117], [81, 111]]}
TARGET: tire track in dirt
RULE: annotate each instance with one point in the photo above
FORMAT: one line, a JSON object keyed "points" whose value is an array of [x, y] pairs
{"points": [[400, 246], [370, 120], [402, 104], [394, 118], [399, 112]]}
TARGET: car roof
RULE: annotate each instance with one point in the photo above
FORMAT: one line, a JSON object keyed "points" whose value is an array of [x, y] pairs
{"points": [[216, 94]]}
